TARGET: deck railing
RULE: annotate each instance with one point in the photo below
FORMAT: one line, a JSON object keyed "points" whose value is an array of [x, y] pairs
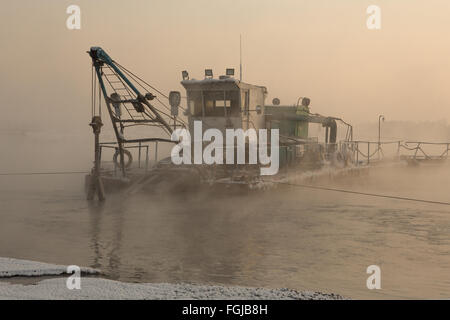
{"points": [[421, 154], [142, 153], [366, 152]]}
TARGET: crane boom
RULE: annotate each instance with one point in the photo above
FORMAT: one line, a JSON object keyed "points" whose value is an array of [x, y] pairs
{"points": [[119, 89]]}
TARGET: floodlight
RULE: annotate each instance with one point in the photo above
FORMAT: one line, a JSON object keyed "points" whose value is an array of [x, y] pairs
{"points": [[208, 73]]}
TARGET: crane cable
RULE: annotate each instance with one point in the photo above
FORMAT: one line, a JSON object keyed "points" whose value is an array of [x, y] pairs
{"points": [[137, 79]]}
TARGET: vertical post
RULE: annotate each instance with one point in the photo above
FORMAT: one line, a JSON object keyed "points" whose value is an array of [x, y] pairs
{"points": [[240, 57], [203, 105], [225, 104], [122, 161], [357, 153], [146, 158], [380, 117], [96, 184], [139, 160], [100, 150], [156, 152], [368, 152], [115, 164]]}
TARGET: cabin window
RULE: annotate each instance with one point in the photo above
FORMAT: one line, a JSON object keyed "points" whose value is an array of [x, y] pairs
{"points": [[217, 103], [223, 103], [195, 102]]}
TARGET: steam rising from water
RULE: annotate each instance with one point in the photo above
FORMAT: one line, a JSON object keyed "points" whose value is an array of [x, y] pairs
{"points": [[279, 237]]}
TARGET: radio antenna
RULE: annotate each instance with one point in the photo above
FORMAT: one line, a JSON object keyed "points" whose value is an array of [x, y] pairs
{"points": [[240, 57]]}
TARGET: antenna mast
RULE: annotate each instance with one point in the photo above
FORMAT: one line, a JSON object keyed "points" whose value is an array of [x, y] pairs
{"points": [[240, 57]]}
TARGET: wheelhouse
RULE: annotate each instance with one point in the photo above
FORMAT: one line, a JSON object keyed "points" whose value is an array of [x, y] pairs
{"points": [[225, 103]]}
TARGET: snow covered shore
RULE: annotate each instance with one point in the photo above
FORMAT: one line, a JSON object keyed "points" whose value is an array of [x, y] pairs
{"points": [[16, 267], [99, 288]]}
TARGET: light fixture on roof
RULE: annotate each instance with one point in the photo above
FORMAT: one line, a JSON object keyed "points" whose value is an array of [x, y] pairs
{"points": [[230, 72], [208, 73], [185, 75]]}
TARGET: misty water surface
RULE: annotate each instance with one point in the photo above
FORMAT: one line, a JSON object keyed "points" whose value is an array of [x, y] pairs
{"points": [[283, 237]]}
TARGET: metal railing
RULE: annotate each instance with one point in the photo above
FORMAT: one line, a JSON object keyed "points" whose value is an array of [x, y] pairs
{"points": [[358, 152], [142, 150], [365, 152], [421, 154]]}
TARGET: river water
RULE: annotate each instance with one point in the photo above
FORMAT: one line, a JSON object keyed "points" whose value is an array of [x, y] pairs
{"points": [[282, 237]]}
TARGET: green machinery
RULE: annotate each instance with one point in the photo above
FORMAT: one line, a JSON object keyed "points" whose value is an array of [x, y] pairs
{"points": [[293, 123]]}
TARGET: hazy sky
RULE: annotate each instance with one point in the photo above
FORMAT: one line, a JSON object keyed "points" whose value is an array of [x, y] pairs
{"points": [[316, 48]]}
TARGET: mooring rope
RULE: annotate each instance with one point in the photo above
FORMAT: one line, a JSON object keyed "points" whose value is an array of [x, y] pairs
{"points": [[270, 181], [359, 193], [40, 173]]}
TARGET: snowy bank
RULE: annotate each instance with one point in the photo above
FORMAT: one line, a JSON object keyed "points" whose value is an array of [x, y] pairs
{"points": [[16, 267], [98, 288]]}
